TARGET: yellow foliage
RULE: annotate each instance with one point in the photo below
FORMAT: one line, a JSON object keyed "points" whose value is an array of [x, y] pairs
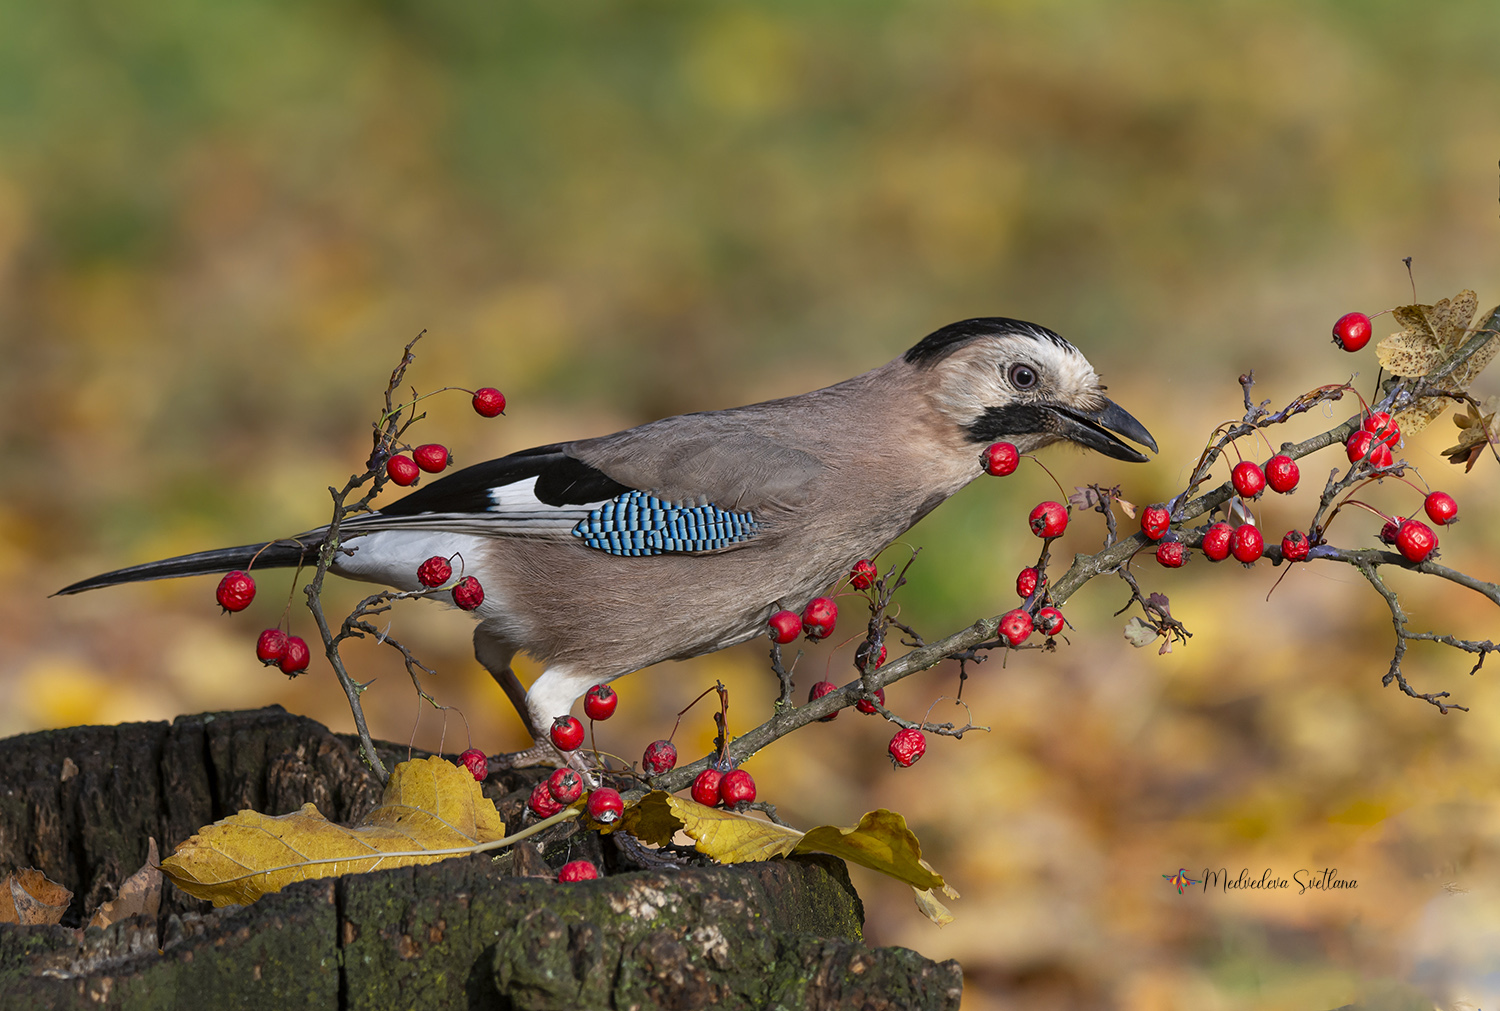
{"points": [[431, 810], [881, 841]]}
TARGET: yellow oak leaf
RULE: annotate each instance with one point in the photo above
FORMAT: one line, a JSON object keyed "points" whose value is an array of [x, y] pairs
{"points": [[431, 810], [881, 841]]}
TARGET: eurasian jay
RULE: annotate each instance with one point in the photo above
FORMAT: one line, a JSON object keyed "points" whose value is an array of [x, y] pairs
{"points": [[682, 536]]}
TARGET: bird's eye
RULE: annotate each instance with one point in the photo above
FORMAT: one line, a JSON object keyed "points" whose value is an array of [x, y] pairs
{"points": [[1022, 377]]}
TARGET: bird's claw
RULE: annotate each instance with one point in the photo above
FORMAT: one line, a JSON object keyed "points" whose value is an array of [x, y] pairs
{"points": [[544, 753]]}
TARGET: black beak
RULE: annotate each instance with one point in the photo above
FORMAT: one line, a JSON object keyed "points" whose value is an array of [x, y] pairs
{"points": [[1093, 428]]}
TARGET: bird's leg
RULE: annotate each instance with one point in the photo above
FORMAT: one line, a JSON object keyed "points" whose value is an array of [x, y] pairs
{"points": [[495, 656]]}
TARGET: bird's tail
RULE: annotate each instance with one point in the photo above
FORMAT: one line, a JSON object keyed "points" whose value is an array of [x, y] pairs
{"points": [[270, 555]]}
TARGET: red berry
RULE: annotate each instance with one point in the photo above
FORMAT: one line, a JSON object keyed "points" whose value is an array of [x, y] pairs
{"points": [[541, 802], [818, 617], [1441, 508], [906, 747], [706, 787], [1249, 479], [867, 707], [862, 576], [737, 789], [1352, 331], [296, 656], [566, 733], [1050, 621], [1171, 554], [565, 786], [604, 805], [1387, 533], [432, 458], [785, 626], [1049, 519], [1362, 445], [1247, 544], [599, 702], [477, 764], [1015, 626], [1383, 427], [1001, 459], [820, 689], [1416, 541], [1282, 473], [1026, 581], [1357, 446], [489, 402], [1216, 541], [235, 591], [434, 572], [1155, 522], [1295, 546], [467, 593], [660, 757], [403, 470], [270, 647], [576, 870], [862, 657]]}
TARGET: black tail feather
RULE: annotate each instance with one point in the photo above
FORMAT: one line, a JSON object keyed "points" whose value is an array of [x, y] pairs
{"points": [[271, 555]]}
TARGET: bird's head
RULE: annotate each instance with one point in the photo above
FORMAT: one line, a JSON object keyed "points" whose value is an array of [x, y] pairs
{"points": [[1001, 379]]}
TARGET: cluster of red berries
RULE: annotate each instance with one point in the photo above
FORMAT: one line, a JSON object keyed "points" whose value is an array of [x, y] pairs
{"points": [[734, 789], [1374, 441], [275, 648], [433, 458], [554, 793], [816, 621], [404, 470], [468, 592]]}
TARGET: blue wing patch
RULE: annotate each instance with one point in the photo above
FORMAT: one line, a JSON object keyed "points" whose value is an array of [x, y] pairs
{"points": [[636, 523]]}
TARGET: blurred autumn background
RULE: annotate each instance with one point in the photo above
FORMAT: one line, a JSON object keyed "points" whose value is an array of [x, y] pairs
{"points": [[220, 222]]}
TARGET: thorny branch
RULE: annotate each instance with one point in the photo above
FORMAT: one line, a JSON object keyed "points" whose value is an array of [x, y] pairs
{"points": [[393, 423]]}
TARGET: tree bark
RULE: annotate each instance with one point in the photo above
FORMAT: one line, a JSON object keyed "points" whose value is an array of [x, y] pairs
{"points": [[474, 932]]}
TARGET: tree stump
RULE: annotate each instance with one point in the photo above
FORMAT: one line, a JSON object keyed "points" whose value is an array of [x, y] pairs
{"points": [[475, 932]]}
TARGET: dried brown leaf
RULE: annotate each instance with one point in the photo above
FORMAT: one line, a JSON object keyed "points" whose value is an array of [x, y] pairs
{"points": [[140, 895], [30, 898], [1138, 633]]}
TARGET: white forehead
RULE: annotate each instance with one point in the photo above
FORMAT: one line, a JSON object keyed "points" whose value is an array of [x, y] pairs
{"points": [[976, 376]]}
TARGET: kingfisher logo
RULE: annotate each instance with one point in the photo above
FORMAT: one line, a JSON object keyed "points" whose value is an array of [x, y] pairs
{"points": [[1181, 880]]}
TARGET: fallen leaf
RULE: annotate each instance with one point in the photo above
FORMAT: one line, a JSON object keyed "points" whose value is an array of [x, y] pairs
{"points": [[429, 805], [30, 898], [1138, 633], [140, 895], [881, 841], [931, 907]]}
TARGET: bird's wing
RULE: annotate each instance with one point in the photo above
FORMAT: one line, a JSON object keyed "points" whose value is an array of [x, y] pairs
{"points": [[669, 487]]}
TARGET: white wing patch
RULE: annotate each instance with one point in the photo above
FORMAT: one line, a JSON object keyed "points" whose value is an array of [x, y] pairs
{"points": [[514, 511]]}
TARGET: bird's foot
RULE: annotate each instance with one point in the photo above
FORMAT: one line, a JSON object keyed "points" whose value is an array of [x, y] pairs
{"points": [[543, 753]]}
